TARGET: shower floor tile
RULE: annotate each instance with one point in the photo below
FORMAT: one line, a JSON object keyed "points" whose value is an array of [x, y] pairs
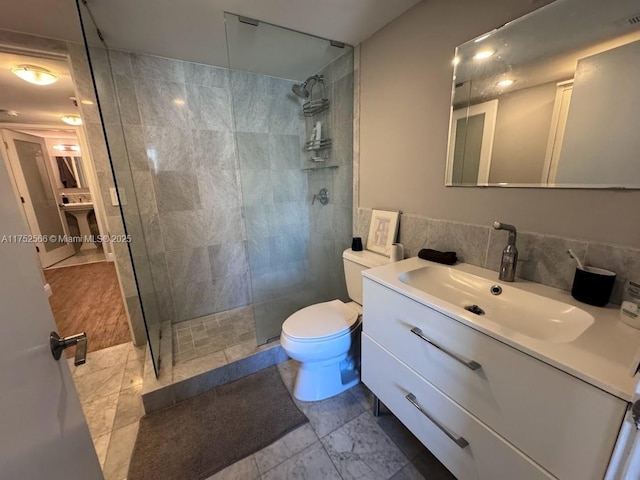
{"points": [[213, 333]]}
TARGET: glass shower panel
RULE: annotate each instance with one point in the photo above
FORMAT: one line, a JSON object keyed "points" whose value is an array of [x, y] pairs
{"points": [[130, 172], [294, 246]]}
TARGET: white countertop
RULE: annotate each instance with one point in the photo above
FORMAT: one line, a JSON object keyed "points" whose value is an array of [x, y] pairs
{"points": [[606, 355]]}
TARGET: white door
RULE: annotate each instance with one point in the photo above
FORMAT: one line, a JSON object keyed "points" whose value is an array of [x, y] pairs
{"points": [[43, 433], [29, 164]]}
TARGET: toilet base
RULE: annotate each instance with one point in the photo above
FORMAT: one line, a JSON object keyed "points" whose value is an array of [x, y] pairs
{"points": [[320, 380]]}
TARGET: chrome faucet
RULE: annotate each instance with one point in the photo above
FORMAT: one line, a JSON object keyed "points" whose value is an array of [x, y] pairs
{"points": [[509, 254]]}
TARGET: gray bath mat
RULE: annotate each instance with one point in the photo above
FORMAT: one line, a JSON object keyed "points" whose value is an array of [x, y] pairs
{"points": [[201, 435]]}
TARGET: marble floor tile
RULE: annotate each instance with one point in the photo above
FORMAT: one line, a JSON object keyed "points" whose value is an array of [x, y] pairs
{"points": [[313, 463], [99, 384], [130, 408], [360, 449], [101, 444], [285, 448], [100, 414], [136, 352], [288, 371], [116, 465], [363, 395], [327, 415], [105, 358], [198, 365], [408, 472], [133, 373], [408, 444], [244, 469]]}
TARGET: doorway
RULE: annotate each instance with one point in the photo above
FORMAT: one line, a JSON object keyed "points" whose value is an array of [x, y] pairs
{"points": [[54, 180]]}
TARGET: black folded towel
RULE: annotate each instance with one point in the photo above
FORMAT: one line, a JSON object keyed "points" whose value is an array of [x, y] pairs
{"points": [[448, 258]]}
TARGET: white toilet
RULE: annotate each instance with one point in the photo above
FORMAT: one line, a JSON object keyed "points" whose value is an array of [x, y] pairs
{"points": [[325, 337]]}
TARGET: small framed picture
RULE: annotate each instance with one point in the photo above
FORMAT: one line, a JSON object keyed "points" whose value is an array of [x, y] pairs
{"points": [[382, 231]]}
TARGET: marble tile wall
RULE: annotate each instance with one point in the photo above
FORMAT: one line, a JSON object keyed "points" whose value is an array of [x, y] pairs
{"points": [[208, 165], [174, 139], [542, 258], [269, 131], [331, 224], [215, 159]]}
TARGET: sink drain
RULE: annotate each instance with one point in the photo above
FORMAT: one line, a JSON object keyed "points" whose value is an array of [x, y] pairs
{"points": [[475, 309]]}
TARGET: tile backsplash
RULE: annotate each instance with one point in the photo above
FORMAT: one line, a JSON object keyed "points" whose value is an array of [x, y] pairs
{"points": [[542, 258]]}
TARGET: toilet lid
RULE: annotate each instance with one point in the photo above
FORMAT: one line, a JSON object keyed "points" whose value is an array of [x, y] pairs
{"points": [[320, 321]]}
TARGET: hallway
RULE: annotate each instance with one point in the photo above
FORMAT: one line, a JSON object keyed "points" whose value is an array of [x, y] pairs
{"points": [[87, 298]]}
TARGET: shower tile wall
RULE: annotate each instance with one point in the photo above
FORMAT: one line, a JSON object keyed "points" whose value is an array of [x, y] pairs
{"points": [[270, 133], [331, 224], [177, 124]]}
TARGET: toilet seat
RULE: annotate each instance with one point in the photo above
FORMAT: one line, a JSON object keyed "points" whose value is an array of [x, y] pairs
{"points": [[320, 322]]}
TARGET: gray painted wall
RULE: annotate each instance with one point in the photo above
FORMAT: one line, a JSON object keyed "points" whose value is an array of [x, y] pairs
{"points": [[406, 71]]}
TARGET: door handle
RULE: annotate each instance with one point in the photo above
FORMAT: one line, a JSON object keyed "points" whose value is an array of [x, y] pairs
{"points": [[58, 344]]}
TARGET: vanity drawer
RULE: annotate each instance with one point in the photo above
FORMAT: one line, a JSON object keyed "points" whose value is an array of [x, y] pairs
{"points": [[564, 424], [462, 443]]}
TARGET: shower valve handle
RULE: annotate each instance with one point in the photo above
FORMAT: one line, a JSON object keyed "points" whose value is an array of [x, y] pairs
{"points": [[322, 196]]}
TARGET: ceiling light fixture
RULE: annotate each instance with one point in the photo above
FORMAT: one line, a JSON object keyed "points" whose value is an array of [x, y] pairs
{"points": [[507, 82], [74, 120], [35, 75], [482, 54], [66, 148]]}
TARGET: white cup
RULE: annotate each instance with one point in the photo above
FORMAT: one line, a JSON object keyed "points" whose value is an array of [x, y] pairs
{"points": [[397, 252]]}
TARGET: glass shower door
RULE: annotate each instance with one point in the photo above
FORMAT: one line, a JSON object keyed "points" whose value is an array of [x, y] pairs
{"points": [[294, 244]]}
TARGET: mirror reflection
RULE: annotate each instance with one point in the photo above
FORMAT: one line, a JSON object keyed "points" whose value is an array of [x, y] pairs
{"points": [[550, 99]]}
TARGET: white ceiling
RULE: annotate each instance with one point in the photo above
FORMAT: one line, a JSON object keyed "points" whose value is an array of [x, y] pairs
{"points": [[194, 29], [35, 103]]}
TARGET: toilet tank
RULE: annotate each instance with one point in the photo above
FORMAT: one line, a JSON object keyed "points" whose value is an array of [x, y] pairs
{"points": [[354, 264]]}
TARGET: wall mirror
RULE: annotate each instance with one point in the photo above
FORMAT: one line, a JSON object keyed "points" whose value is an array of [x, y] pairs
{"points": [[69, 172], [550, 100]]}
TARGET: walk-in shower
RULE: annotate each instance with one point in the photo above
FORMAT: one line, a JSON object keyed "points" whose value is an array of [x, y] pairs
{"points": [[217, 166]]}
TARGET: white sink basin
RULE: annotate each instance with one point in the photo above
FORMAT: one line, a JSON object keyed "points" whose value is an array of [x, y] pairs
{"points": [[77, 206], [521, 311]]}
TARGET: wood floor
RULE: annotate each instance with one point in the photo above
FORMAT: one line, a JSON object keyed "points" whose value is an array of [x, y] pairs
{"points": [[87, 298]]}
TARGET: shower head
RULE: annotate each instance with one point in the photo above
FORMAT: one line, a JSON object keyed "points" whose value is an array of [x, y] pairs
{"points": [[301, 90]]}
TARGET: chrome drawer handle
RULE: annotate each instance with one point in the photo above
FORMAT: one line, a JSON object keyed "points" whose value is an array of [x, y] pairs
{"points": [[473, 365], [460, 441]]}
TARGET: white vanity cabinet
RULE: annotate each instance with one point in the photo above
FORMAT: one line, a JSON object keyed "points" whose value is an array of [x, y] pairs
{"points": [[520, 418]]}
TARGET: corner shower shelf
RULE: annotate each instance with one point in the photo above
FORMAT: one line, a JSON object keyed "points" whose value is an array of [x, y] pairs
{"points": [[313, 107], [314, 145], [319, 166]]}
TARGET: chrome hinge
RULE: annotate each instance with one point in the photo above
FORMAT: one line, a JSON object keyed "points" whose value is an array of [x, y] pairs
{"points": [[6, 145], [37, 249], [635, 413], [22, 199]]}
